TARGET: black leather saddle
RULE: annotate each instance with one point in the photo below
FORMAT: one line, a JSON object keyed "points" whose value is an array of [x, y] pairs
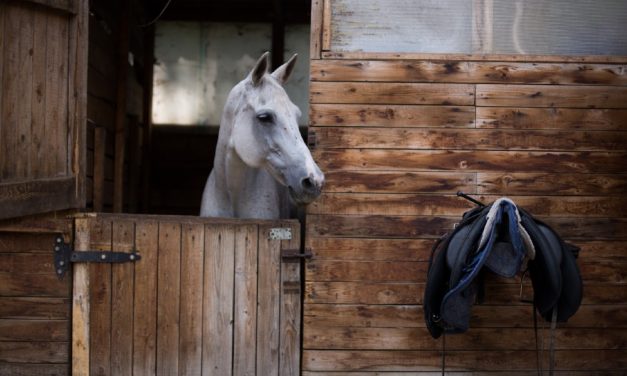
{"points": [[501, 238]]}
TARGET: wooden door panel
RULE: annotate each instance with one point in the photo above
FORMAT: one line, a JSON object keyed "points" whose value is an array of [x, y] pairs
{"points": [[42, 105]]}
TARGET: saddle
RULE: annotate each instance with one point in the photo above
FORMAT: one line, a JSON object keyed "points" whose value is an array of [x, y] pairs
{"points": [[504, 239]]}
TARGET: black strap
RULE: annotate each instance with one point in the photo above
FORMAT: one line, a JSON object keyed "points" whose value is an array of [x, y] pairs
{"points": [[443, 353], [552, 342], [535, 333]]}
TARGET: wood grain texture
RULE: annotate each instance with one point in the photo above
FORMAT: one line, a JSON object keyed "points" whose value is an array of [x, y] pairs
{"points": [[122, 285], [192, 268], [468, 72], [373, 115], [468, 161], [168, 290], [218, 312], [552, 118], [335, 360], [269, 303], [145, 299], [350, 181], [245, 301], [552, 96], [392, 93], [469, 139]]}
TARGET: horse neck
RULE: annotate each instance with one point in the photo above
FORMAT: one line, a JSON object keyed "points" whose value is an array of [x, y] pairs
{"points": [[240, 183]]}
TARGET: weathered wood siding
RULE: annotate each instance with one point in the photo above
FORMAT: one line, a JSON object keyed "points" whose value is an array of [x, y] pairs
{"points": [[34, 305], [397, 137], [209, 296], [42, 106]]}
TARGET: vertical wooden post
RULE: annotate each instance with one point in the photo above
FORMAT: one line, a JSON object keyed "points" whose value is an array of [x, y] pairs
{"points": [[149, 58], [100, 146], [120, 109], [316, 29], [80, 302], [289, 352]]}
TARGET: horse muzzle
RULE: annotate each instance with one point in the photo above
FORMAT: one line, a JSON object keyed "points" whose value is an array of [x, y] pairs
{"points": [[307, 189]]}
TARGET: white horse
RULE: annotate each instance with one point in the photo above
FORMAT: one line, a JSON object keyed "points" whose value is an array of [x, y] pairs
{"points": [[262, 167]]}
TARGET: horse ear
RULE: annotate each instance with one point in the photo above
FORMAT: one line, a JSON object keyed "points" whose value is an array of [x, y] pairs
{"points": [[282, 73], [261, 67]]}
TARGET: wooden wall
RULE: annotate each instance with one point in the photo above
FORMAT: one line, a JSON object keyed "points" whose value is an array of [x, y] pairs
{"points": [[35, 306], [116, 105], [397, 136]]}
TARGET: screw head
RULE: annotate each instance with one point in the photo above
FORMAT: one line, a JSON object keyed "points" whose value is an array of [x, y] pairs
{"points": [[132, 257], [61, 263], [57, 248], [103, 256]]}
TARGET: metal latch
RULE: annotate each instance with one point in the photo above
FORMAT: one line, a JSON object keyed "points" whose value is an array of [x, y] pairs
{"points": [[294, 255], [64, 256]]}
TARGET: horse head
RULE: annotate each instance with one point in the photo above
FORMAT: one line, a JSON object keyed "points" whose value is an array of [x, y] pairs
{"points": [[265, 131]]}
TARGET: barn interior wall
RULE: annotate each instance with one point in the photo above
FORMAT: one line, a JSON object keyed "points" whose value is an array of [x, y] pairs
{"points": [[116, 83], [397, 136]]}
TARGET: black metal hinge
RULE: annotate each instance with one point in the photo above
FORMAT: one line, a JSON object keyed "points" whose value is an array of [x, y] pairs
{"points": [[294, 255], [64, 255]]}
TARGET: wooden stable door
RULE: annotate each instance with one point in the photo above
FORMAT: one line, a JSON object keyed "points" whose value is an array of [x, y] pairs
{"points": [[43, 82], [207, 297]]}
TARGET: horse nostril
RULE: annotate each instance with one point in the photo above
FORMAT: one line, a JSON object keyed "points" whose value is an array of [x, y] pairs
{"points": [[307, 184]]}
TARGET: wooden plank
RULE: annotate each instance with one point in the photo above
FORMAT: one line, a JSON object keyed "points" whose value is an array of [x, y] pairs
{"points": [[41, 285], [542, 183], [192, 265], [33, 330], [269, 308], [100, 302], [218, 312], [330, 360], [393, 226], [168, 290], [122, 49], [81, 302], [471, 161], [371, 249], [21, 158], [62, 132], [476, 339], [34, 308], [245, 301], [291, 314], [552, 118], [122, 289], [326, 25], [420, 204], [391, 115], [350, 181], [315, 38], [467, 72], [24, 198], [38, 100], [469, 139], [552, 96], [10, 98], [100, 135], [355, 55], [68, 6], [34, 352], [26, 263], [145, 298], [25, 369], [3, 11], [363, 293], [392, 93], [367, 271], [379, 226], [18, 242]]}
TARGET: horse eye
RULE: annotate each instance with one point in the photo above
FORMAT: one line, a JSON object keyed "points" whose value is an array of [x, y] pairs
{"points": [[265, 117]]}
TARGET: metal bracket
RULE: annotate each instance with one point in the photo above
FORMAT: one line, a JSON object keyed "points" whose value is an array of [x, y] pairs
{"points": [[64, 255], [280, 233], [294, 255]]}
